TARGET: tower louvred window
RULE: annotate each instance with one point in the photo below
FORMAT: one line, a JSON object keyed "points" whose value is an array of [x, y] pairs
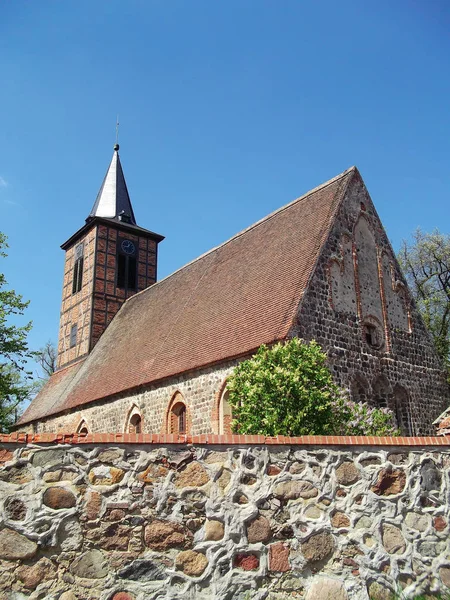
{"points": [[126, 266], [77, 281]]}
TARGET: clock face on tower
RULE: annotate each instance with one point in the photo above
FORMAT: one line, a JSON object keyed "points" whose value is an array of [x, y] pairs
{"points": [[128, 247]]}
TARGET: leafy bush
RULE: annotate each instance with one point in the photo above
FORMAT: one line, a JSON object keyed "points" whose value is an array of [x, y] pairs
{"points": [[287, 389], [358, 418]]}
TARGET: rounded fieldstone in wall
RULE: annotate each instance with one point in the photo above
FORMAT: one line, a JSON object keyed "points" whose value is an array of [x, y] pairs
{"points": [[143, 570], [93, 506], [379, 592], [68, 596], [393, 540], [214, 530], [347, 473], [326, 589], [15, 509], [312, 512], [194, 475], [32, 576], [389, 482], [45, 458], [152, 473], [444, 574], [18, 475], [90, 565], [14, 545], [110, 456], [162, 535], [363, 523], [259, 530], [58, 498], [296, 468], [430, 478], [191, 563], [417, 521], [292, 490], [439, 523], [70, 535], [318, 547], [105, 475], [340, 519]]}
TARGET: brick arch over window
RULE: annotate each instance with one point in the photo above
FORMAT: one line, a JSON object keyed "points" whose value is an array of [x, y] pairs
{"points": [[82, 428], [133, 423], [222, 413], [178, 419]]}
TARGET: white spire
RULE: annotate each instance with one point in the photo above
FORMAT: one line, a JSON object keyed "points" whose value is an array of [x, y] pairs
{"points": [[113, 200]]}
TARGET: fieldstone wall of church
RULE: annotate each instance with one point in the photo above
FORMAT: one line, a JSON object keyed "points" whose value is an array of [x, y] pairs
{"points": [[357, 308], [243, 522], [199, 390]]}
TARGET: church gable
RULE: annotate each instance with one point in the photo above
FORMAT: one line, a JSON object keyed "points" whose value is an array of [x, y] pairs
{"points": [[358, 308]]}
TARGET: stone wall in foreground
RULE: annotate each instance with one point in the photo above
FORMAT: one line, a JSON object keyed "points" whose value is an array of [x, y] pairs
{"points": [[242, 521]]}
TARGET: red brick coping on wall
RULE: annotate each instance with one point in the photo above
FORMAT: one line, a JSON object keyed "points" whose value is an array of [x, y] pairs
{"points": [[223, 440]]}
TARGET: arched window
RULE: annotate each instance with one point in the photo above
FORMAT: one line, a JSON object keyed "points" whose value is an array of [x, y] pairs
{"points": [[82, 428], [177, 415], [402, 410], [135, 425], [382, 392], [359, 389], [225, 414]]}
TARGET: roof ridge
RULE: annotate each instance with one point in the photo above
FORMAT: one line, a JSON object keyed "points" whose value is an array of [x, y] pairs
{"points": [[249, 228]]}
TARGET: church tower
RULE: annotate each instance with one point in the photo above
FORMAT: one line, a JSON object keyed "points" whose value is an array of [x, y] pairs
{"points": [[108, 260]]}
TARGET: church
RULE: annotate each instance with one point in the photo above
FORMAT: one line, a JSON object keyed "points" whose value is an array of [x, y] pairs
{"points": [[140, 355]]}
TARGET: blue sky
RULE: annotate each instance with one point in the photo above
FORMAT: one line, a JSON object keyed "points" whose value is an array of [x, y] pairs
{"points": [[228, 111]]}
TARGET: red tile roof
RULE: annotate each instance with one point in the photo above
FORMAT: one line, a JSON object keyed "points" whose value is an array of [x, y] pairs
{"points": [[224, 304]]}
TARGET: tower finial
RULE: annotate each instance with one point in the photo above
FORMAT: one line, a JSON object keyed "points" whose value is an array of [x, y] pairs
{"points": [[116, 145]]}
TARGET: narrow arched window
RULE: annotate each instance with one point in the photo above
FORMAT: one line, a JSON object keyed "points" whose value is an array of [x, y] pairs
{"points": [[77, 280], [135, 425], [381, 393], [82, 428], [177, 415], [126, 265], [359, 389], [402, 409]]}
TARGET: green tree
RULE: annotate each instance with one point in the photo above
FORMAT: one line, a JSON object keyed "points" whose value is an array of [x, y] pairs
{"points": [[426, 265], [283, 390], [287, 389], [14, 350]]}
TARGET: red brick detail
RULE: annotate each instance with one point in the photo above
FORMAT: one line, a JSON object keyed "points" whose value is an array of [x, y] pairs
{"points": [[439, 523], [279, 557], [273, 470], [214, 439], [247, 562], [5, 455]]}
